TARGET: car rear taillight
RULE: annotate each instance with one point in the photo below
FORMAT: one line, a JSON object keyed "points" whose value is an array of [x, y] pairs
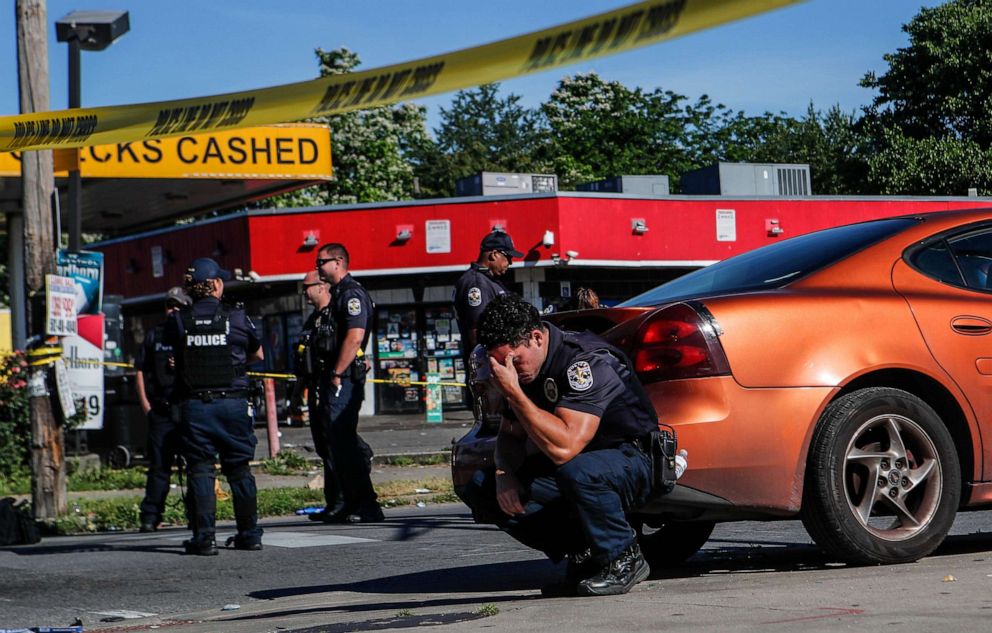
{"points": [[679, 341]]}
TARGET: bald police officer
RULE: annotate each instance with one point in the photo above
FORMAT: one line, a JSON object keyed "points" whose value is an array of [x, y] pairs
{"points": [[214, 343], [341, 387], [571, 454]]}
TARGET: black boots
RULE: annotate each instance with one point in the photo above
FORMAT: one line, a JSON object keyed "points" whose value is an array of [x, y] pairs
{"points": [[247, 543], [201, 546], [619, 576], [579, 567]]}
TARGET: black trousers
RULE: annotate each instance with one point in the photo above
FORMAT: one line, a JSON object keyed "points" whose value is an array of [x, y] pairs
{"points": [[350, 455], [165, 444]]}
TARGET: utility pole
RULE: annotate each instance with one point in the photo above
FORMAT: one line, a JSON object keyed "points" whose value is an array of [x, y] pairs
{"points": [[48, 489]]}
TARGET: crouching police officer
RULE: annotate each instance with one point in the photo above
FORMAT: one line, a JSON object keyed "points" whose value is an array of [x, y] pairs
{"points": [[341, 388], [214, 343], [570, 454], [154, 381]]}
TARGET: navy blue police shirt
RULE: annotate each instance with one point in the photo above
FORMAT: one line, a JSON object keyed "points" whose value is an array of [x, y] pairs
{"points": [[351, 307], [158, 387], [243, 339], [582, 372], [473, 292]]}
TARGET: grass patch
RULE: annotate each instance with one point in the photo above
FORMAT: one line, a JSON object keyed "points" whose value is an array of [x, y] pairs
{"points": [[19, 483], [286, 463], [427, 459], [111, 515], [488, 610], [16, 483]]}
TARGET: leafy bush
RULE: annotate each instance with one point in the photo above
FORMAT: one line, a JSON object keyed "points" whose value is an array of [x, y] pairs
{"points": [[286, 463], [15, 416]]}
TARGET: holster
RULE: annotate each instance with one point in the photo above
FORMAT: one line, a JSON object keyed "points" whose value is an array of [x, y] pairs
{"points": [[662, 447]]}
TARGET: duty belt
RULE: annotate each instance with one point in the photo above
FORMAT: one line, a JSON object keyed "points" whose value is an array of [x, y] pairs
{"points": [[210, 396]]}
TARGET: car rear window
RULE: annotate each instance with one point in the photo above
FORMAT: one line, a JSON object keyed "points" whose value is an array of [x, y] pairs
{"points": [[775, 265]]}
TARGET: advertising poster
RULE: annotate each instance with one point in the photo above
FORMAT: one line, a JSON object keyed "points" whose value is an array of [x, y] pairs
{"points": [[83, 354], [86, 269], [435, 409], [60, 306]]}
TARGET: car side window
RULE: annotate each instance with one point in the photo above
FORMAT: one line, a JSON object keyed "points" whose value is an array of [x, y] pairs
{"points": [[936, 261], [974, 255], [961, 260]]}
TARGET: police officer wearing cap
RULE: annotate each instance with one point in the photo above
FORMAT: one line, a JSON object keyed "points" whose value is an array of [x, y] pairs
{"points": [[214, 343], [341, 388], [571, 458], [155, 379], [480, 284]]}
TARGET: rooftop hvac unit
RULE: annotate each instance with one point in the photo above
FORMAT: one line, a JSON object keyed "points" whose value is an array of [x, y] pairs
{"points": [[489, 183], [749, 179], [644, 185]]}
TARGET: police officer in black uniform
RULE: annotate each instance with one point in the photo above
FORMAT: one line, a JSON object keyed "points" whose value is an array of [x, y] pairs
{"points": [[480, 284], [317, 340], [571, 454], [154, 382], [341, 387], [214, 343]]}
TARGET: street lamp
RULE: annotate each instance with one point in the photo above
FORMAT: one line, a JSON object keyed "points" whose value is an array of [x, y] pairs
{"points": [[90, 31]]}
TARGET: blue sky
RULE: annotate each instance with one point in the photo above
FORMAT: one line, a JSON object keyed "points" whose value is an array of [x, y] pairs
{"points": [[779, 61]]}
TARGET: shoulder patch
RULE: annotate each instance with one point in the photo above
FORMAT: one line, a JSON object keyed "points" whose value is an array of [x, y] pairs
{"points": [[580, 376], [551, 390], [474, 297], [354, 306]]}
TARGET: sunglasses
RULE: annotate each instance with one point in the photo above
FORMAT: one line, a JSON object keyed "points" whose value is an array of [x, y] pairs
{"points": [[323, 260], [508, 257]]}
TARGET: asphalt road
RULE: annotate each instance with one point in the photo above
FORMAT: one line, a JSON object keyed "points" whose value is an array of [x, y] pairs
{"points": [[432, 568]]}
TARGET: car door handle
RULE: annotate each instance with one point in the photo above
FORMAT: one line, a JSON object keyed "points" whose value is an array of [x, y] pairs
{"points": [[971, 325]]}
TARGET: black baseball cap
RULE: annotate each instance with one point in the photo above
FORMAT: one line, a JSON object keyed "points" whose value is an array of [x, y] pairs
{"points": [[205, 268], [500, 241]]}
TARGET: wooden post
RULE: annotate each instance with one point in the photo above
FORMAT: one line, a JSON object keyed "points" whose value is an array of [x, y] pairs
{"points": [[271, 415], [48, 489]]}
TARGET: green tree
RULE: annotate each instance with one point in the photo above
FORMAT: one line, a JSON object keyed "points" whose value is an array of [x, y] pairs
{"points": [[597, 129], [930, 124], [372, 149], [480, 131]]}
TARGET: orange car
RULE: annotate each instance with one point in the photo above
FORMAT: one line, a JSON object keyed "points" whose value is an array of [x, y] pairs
{"points": [[843, 376]]}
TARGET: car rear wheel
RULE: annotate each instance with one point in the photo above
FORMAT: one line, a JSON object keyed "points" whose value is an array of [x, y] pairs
{"points": [[673, 543], [882, 480]]}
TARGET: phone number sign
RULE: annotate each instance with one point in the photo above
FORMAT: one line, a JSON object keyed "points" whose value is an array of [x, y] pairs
{"points": [[60, 306]]}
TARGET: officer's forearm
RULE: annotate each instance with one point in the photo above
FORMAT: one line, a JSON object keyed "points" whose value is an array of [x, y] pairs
{"points": [[139, 384], [510, 448], [349, 349], [560, 438]]}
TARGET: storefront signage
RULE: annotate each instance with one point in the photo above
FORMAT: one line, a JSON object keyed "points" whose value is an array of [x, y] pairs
{"points": [[434, 399], [726, 225], [86, 269], [438, 234], [83, 356]]}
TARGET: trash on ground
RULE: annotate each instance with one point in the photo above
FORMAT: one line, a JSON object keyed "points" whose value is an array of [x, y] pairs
{"points": [[949, 578], [231, 607]]}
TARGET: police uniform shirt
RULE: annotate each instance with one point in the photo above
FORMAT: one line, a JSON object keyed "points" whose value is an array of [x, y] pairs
{"points": [[309, 329], [145, 361], [582, 372], [351, 307], [243, 337], [473, 292]]}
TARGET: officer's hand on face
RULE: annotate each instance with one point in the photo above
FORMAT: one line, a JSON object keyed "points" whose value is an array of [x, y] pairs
{"points": [[504, 376], [508, 493]]}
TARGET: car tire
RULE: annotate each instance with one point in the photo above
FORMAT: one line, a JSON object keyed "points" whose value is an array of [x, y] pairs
{"points": [[883, 481], [673, 543]]}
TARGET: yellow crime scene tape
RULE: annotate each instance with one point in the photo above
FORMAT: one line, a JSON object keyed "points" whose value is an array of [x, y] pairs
{"points": [[49, 355], [627, 28]]}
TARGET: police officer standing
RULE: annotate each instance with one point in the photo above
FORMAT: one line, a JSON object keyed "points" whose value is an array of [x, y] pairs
{"points": [[571, 456], [480, 284], [154, 382], [316, 342], [341, 387], [214, 343]]}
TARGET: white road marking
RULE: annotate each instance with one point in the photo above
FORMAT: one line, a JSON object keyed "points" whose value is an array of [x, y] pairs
{"points": [[127, 615]]}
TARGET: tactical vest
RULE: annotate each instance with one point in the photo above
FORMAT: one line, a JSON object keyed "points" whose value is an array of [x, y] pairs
{"points": [[317, 345], [630, 415], [207, 362], [164, 376]]}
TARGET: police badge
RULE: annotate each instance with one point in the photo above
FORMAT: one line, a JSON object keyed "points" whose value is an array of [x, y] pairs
{"points": [[474, 297], [580, 376], [354, 307], [551, 390]]}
